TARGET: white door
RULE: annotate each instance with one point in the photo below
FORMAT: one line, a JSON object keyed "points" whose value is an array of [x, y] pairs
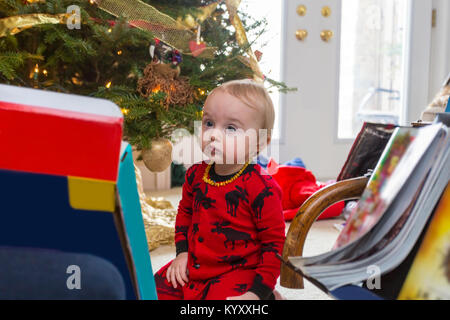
{"points": [[359, 60]]}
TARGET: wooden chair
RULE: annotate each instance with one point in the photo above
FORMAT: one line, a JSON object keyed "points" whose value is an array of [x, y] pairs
{"points": [[307, 214], [350, 185]]}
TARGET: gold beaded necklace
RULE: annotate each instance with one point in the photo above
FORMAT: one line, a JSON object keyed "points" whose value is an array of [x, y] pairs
{"points": [[222, 183]]}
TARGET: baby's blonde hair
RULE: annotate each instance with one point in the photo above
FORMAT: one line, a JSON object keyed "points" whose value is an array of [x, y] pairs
{"points": [[254, 95]]}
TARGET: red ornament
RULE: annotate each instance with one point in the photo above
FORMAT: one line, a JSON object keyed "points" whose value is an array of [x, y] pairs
{"points": [[258, 55], [196, 48]]}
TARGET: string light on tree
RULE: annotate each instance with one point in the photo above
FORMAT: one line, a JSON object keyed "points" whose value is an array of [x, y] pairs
{"points": [[76, 79], [35, 73], [166, 81], [156, 89]]}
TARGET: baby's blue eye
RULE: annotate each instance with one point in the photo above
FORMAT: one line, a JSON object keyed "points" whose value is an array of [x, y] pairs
{"points": [[208, 123], [231, 128]]}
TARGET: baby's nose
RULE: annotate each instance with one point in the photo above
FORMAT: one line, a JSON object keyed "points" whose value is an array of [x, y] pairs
{"points": [[215, 135]]}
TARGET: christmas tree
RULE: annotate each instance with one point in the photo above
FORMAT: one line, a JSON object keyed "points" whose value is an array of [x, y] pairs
{"points": [[157, 60]]}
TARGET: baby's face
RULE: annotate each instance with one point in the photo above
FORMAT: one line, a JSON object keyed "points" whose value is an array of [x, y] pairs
{"points": [[230, 129]]}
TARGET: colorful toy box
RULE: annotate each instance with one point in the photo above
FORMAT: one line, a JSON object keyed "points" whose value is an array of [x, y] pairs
{"points": [[67, 182]]}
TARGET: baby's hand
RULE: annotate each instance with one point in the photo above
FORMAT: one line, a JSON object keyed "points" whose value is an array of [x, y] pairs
{"points": [[177, 271], [246, 296]]}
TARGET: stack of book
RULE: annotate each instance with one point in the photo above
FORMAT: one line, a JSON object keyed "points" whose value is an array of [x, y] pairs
{"points": [[396, 241]]}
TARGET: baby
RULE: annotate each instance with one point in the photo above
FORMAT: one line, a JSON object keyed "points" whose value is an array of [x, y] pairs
{"points": [[230, 224]]}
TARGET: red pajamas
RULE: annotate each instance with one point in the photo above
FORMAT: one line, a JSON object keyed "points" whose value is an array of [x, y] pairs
{"points": [[233, 283], [231, 234]]}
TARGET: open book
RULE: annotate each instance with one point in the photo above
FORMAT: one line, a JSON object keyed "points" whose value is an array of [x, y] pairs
{"points": [[395, 207]]}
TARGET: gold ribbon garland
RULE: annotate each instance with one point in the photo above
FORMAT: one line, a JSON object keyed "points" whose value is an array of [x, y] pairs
{"points": [[175, 33], [165, 28], [16, 24], [205, 12], [241, 38], [158, 215]]}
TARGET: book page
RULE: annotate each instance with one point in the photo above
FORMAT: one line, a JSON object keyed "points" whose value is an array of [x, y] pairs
{"points": [[405, 149]]}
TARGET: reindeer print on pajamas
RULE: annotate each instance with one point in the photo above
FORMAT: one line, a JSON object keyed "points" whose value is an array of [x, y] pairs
{"points": [[232, 198], [258, 204], [201, 198], [232, 234], [234, 261]]}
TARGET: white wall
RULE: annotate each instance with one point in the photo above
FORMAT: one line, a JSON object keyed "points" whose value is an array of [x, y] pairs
{"points": [[426, 68], [440, 47], [428, 63]]}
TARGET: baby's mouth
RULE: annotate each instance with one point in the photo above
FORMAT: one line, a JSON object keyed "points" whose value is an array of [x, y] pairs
{"points": [[213, 150]]}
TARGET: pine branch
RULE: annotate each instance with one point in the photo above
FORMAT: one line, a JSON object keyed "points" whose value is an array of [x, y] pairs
{"points": [[11, 61], [83, 61]]}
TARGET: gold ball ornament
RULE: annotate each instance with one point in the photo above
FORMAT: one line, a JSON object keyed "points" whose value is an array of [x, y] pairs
{"points": [[159, 157]]}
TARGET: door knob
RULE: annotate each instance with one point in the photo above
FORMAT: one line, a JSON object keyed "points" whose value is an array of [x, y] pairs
{"points": [[326, 35], [301, 10], [326, 11], [301, 34]]}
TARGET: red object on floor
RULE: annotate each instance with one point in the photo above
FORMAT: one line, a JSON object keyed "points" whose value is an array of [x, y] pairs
{"points": [[298, 184]]}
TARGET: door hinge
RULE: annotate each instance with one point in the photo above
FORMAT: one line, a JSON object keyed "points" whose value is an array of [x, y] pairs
{"points": [[433, 18]]}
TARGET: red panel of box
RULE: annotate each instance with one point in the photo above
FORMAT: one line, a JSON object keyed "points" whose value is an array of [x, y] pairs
{"points": [[59, 142]]}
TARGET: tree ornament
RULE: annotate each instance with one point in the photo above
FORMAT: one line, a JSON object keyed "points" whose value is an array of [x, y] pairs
{"points": [[258, 55], [159, 157], [162, 77], [197, 46], [163, 53]]}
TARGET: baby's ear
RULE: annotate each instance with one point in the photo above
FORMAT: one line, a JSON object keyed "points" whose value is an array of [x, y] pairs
{"points": [[263, 145], [269, 138]]}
